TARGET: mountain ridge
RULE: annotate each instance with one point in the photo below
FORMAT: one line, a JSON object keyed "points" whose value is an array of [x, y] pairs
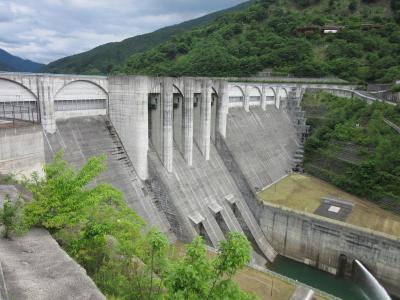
{"points": [[286, 36], [12, 63], [104, 58]]}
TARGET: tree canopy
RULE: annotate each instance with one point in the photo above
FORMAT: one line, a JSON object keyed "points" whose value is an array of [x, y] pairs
{"points": [[286, 36], [353, 147]]}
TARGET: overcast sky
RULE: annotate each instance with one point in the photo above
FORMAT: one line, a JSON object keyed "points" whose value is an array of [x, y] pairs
{"points": [[45, 30]]}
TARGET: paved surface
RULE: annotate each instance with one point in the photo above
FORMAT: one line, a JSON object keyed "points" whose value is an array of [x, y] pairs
{"points": [[35, 267], [334, 209]]}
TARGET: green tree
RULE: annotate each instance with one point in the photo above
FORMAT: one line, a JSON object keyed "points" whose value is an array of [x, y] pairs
{"points": [[197, 277], [352, 147], [10, 217], [126, 259]]}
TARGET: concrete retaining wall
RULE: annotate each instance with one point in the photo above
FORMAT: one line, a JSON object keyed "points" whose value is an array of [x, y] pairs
{"points": [[318, 241], [21, 150]]}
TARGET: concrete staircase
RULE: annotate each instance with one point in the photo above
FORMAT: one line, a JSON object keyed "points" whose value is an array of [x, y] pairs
{"points": [[83, 137], [297, 164]]}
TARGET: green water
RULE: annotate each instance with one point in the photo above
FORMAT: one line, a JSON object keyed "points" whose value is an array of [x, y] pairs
{"points": [[339, 287]]}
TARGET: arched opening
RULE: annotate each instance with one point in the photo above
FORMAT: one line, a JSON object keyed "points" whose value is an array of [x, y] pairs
{"points": [[178, 117], [17, 101], [269, 96], [254, 95], [236, 96], [214, 112], [80, 98]]}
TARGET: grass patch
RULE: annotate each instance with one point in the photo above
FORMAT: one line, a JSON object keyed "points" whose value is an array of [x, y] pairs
{"points": [[303, 193]]}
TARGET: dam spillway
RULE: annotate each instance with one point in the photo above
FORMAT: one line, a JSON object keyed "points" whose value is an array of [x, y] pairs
{"points": [[262, 142]]}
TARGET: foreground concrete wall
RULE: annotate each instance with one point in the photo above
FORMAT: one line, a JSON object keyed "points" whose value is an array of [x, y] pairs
{"points": [[35, 267], [21, 150], [318, 241]]}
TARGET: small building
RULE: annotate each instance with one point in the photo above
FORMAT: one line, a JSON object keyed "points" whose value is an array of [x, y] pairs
{"points": [[331, 29]]}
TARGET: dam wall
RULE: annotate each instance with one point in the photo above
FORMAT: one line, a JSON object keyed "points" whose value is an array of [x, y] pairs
{"points": [[82, 137], [207, 200], [263, 143], [21, 150], [319, 242]]}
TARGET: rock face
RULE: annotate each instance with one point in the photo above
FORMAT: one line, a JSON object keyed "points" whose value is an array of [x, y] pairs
{"points": [[35, 267]]}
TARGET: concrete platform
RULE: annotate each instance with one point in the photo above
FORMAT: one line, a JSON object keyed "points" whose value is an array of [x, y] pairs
{"points": [[334, 208], [36, 268]]}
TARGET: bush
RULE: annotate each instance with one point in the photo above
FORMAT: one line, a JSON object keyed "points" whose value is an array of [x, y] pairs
{"points": [[10, 217], [125, 259]]}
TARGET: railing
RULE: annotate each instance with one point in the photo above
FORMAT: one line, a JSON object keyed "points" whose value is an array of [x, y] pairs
{"points": [[3, 287], [350, 94], [294, 282], [14, 113], [391, 124]]}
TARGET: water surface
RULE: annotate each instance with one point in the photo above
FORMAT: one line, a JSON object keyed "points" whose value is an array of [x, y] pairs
{"points": [[339, 287]]}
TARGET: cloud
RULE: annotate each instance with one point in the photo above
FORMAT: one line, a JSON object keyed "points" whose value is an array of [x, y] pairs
{"points": [[46, 30]]}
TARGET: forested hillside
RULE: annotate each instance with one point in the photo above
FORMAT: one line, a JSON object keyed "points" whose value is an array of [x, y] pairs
{"points": [[103, 59], [286, 36], [353, 147]]}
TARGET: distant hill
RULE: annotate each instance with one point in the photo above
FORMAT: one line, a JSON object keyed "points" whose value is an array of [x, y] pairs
{"points": [[11, 63], [103, 59], [288, 36]]}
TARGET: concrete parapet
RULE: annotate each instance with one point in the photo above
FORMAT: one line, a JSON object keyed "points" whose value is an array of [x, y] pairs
{"points": [[302, 293], [3, 286], [35, 267]]}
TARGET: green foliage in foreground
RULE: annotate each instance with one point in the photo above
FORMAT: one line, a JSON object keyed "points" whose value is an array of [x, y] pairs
{"points": [[352, 147], [266, 36], [124, 258]]}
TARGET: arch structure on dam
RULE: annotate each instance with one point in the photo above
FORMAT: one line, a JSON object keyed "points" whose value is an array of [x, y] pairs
{"points": [[253, 94], [55, 96]]}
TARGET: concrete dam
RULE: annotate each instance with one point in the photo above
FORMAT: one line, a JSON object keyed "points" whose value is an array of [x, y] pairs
{"points": [[160, 137], [189, 154]]}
